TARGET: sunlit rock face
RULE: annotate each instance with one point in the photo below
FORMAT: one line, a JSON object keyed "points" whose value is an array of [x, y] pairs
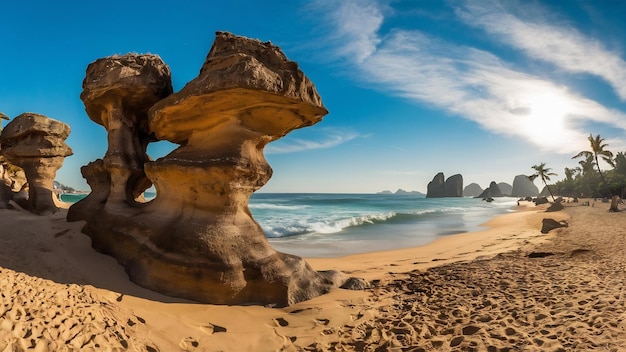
{"points": [[197, 238], [117, 92], [36, 143]]}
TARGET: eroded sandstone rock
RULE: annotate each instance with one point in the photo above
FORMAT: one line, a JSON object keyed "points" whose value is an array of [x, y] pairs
{"points": [[197, 238], [117, 92], [36, 143]]}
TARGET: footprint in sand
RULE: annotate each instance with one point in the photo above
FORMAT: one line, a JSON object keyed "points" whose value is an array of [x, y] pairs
{"points": [[211, 329], [188, 342], [281, 322]]}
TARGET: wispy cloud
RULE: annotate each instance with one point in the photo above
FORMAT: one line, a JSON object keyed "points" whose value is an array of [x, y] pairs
{"points": [[293, 145], [563, 46], [470, 83]]}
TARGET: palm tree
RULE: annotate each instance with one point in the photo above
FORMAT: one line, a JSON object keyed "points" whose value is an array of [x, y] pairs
{"points": [[598, 149], [544, 173]]}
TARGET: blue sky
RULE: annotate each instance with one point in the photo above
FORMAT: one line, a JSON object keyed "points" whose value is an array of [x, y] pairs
{"points": [[482, 88]]}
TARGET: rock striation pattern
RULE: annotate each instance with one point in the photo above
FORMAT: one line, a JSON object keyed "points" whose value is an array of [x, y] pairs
{"points": [[197, 239], [36, 143]]}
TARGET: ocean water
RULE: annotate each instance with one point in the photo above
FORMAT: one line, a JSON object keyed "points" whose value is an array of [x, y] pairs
{"points": [[331, 225]]}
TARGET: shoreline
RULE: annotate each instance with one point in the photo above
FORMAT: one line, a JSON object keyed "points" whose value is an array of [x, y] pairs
{"points": [[55, 255]]}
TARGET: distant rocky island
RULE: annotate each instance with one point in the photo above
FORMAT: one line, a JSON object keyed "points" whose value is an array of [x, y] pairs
{"points": [[400, 191], [441, 187]]}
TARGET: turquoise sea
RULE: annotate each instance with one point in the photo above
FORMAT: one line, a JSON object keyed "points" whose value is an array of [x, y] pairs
{"points": [[330, 225]]}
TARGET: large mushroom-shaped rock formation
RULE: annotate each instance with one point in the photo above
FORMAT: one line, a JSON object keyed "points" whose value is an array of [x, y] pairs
{"points": [[117, 93], [36, 143], [197, 238], [524, 187]]}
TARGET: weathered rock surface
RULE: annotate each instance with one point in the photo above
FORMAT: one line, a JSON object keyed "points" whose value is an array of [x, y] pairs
{"points": [[472, 190], [556, 206], [454, 186], [437, 187], [440, 187], [548, 225], [524, 187], [36, 143], [197, 238], [492, 191]]}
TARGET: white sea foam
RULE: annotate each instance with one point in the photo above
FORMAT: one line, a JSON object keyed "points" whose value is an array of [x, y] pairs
{"points": [[276, 206]]}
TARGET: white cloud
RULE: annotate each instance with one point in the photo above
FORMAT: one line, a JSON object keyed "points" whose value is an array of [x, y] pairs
{"points": [[294, 145], [474, 84], [562, 46]]}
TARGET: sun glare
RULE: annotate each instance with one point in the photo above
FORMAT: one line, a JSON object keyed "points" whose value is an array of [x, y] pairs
{"points": [[545, 122]]}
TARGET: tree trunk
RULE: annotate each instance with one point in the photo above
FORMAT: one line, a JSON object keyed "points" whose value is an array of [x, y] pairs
{"points": [[614, 202]]}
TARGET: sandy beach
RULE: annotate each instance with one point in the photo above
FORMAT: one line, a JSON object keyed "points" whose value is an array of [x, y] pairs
{"points": [[507, 288]]}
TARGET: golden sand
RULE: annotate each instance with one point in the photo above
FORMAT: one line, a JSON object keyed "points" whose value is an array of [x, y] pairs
{"points": [[479, 291]]}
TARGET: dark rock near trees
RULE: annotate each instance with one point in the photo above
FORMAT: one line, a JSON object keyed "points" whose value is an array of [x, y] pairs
{"points": [[540, 200], [556, 206], [551, 224]]}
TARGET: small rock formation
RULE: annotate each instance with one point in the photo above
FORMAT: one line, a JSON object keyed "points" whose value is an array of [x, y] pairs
{"points": [[524, 187], [492, 191], [540, 200], [472, 190], [197, 238], [452, 187], [556, 206], [36, 143], [551, 224]]}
